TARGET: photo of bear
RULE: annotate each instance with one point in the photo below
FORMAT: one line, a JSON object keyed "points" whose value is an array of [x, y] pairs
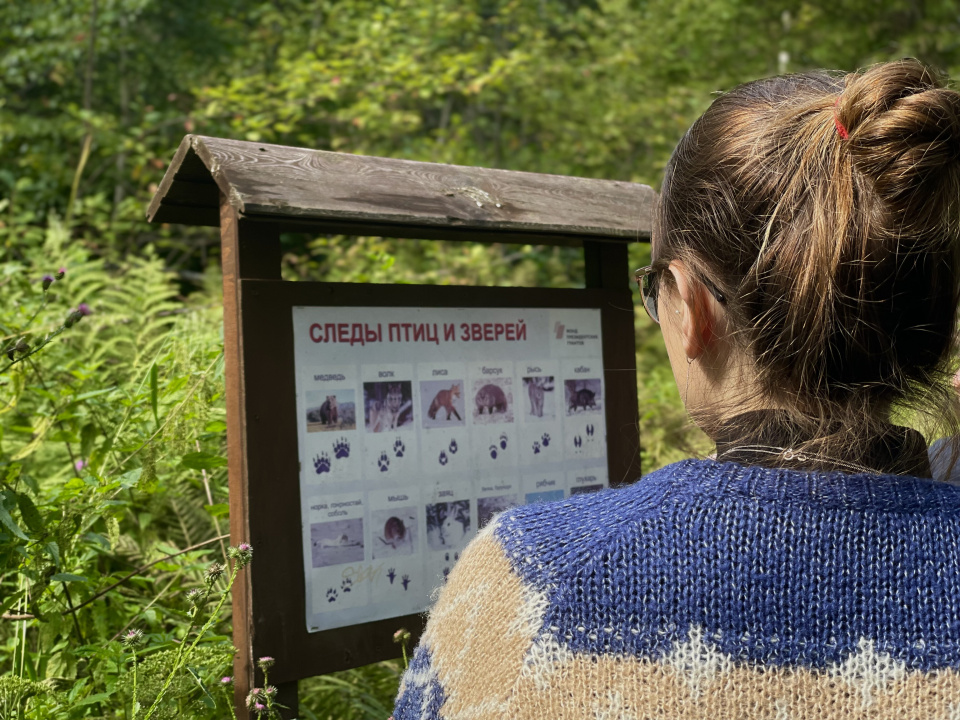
{"points": [[492, 401], [442, 403], [387, 406], [583, 396], [331, 410]]}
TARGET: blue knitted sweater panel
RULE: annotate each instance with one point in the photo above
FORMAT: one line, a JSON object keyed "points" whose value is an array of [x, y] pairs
{"points": [[705, 590]]}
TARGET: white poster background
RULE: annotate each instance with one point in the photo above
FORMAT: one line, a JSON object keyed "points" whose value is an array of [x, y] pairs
{"points": [[416, 425]]}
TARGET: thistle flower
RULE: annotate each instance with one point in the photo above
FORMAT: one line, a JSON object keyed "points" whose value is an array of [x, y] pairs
{"points": [[265, 663], [214, 572], [226, 680], [259, 707], [84, 309], [47, 282], [73, 318], [401, 636], [133, 638], [194, 596], [253, 698], [80, 464], [60, 273], [270, 691], [242, 553]]}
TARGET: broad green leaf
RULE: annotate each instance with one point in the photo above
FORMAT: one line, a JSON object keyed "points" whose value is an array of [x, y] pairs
{"points": [[54, 549], [9, 522], [202, 461], [129, 479], [67, 577], [218, 509], [28, 511], [90, 699]]}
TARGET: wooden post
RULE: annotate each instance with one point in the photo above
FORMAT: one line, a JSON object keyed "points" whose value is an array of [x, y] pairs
{"points": [[606, 266], [248, 250]]}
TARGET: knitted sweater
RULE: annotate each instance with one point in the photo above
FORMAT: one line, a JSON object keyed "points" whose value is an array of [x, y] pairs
{"points": [[704, 590]]}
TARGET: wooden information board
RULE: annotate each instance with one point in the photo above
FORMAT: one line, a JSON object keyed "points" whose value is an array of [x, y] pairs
{"points": [[372, 428]]}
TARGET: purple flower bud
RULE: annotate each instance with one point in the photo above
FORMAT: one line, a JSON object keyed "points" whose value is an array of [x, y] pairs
{"points": [[253, 698], [73, 318], [80, 464], [47, 282], [265, 663], [270, 690], [226, 680], [60, 273], [84, 309]]}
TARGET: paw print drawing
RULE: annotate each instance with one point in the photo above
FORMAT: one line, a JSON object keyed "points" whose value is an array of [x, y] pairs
{"points": [[503, 441], [493, 451], [321, 463], [545, 440], [405, 580], [391, 574], [443, 458], [453, 447], [446, 557], [341, 449], [399, 448], [346, 585], [331, 595], [536, 447], [383, 462]]}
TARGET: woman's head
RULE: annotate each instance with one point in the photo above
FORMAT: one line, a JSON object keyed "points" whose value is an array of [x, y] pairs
{"points": [[825, 209]]}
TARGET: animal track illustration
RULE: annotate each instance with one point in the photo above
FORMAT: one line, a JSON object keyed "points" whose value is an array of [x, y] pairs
{"points": [[503, 441], [346, 584], [589, 431], [383, 462], [405, 580], [453, 447], [399, 448], [321, 463], [577, 442], [391, 574], [536, 447], [446, 573], [545, 440], [493, 451], [443, 458], [331, 595], [341, 448]]}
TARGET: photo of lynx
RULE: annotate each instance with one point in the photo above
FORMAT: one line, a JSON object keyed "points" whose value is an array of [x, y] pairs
{"points": [[537, 388]]}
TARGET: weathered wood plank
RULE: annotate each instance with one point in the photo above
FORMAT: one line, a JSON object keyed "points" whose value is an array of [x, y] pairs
{"points": [[276, 182]]}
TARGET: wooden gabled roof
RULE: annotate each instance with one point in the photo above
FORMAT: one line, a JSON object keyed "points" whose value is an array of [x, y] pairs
{"points": [[340, 192]]}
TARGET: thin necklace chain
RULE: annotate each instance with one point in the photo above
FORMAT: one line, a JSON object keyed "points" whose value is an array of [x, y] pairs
{"points": [[790, 455]]}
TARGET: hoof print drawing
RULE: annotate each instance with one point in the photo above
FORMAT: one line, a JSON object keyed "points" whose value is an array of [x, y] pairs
{"points": [[545, 440], [590, 431], [391, 574], [346, 584], [331, 595], [405, 580], [446, 557], [446, 573], [493, 451], [321, 463], [453, 447], [577, 442], [383, 462], [536, 447], [443, 458], [341, 448], [503, 441], [399, 448]]}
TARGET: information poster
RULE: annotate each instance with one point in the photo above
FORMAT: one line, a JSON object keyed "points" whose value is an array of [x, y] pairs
{"points": [[417, 425]]}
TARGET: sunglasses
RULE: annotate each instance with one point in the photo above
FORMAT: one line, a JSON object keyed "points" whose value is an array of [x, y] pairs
{"points": [[648, 280]]}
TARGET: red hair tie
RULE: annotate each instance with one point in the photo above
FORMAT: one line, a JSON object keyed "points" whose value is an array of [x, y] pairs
{"points": [[841, 130]]}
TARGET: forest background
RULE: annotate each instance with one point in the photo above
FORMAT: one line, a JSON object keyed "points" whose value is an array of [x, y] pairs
{"points": [[113, 499]]}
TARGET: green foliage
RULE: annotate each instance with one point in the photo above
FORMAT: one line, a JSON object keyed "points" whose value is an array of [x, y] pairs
{"points": [[112, 477]]}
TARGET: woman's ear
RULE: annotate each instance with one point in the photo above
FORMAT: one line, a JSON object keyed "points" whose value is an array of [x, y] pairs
{"points": [[697, 309]]}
